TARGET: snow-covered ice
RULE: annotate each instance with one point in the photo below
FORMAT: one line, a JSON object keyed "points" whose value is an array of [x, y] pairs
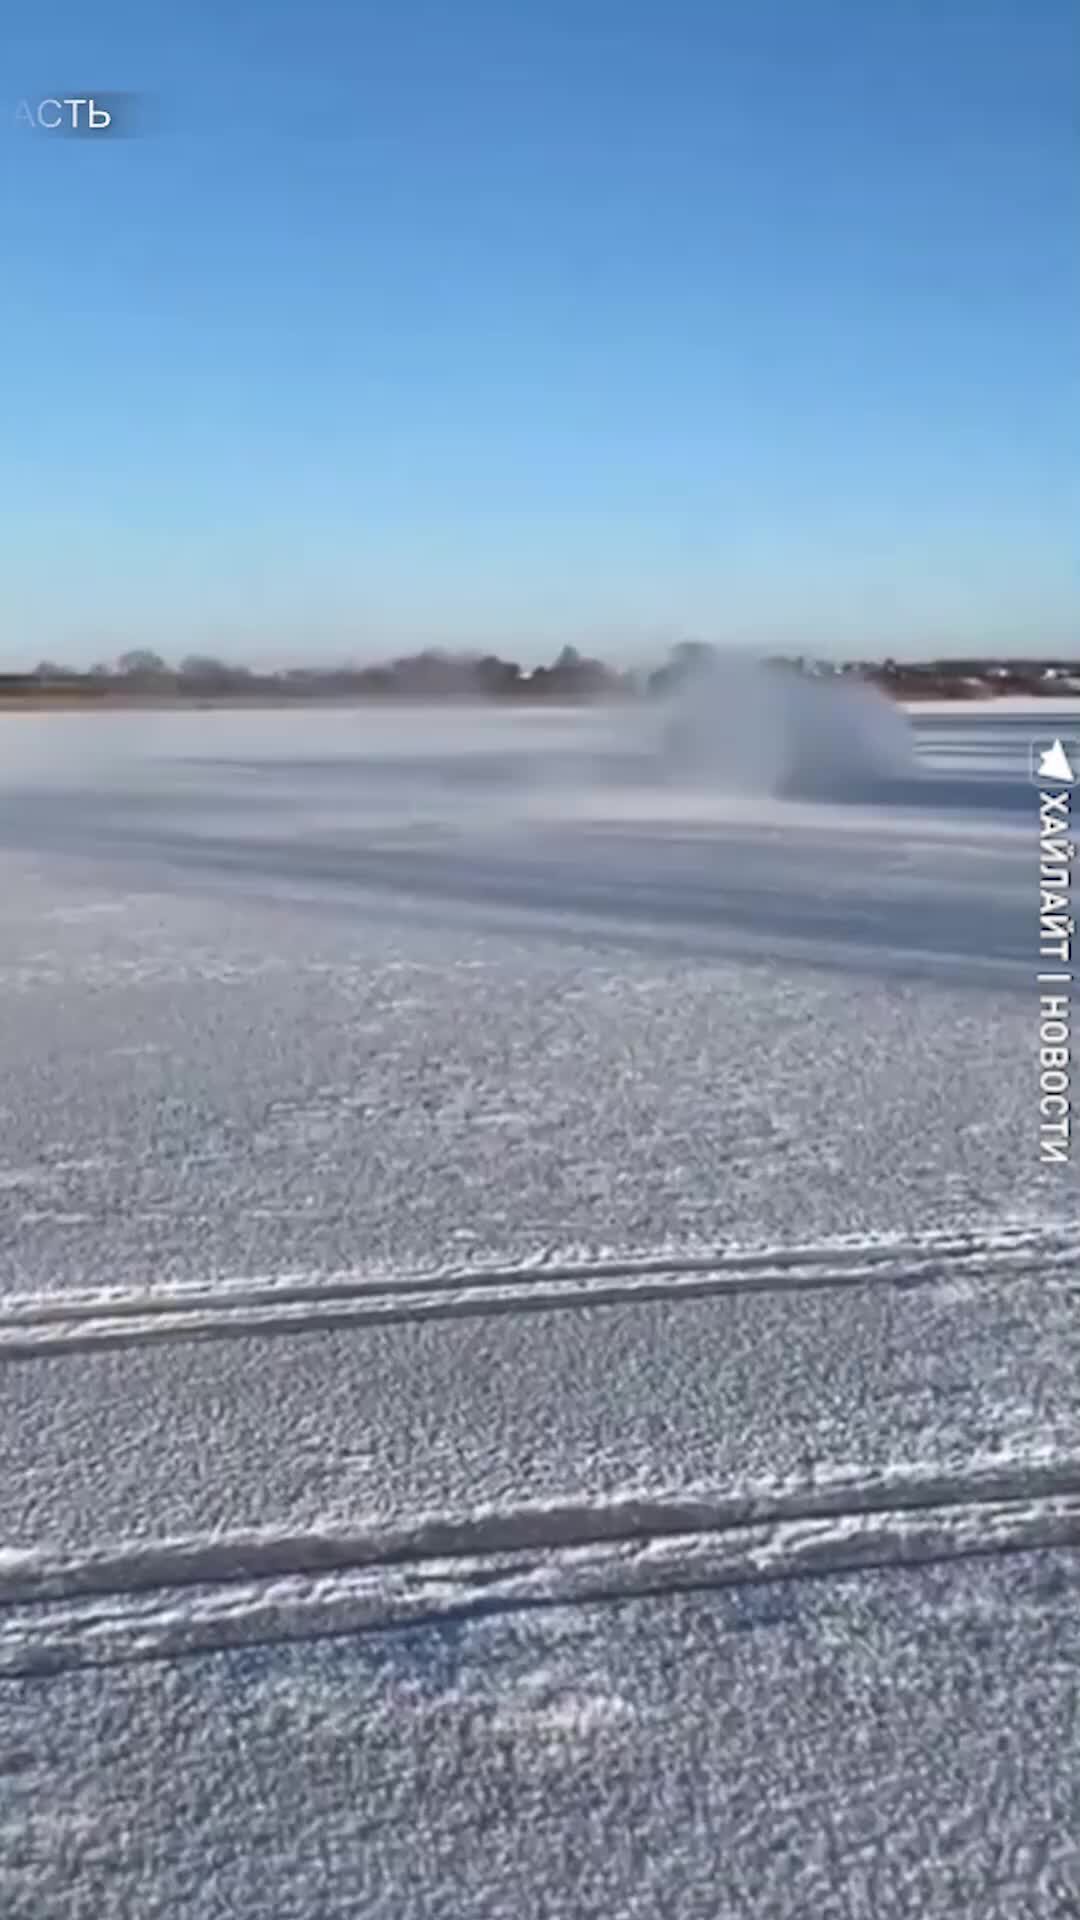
{"points": [[540, 1366], [887, 1743]]}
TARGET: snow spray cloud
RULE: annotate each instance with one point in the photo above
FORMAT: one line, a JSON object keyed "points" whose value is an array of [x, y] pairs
{"points": [[742, 726]]}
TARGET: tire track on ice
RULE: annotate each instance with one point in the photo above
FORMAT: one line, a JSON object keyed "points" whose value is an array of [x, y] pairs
{"points": [[44, 1326], [193, 1596], [33, 1574]]}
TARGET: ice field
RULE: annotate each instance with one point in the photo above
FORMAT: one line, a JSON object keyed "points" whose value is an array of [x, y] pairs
{"points": [[539, 1366]]}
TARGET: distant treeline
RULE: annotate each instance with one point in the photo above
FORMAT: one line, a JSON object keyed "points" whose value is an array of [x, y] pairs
{"points": [[434, 675], [430, 675]]}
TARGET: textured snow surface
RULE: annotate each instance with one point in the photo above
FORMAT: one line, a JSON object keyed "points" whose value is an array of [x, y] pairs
{"points": [[897, 1744], [539, 1371]]}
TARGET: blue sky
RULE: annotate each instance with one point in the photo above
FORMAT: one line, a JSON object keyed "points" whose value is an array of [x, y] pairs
{"points": [[527, 323]]}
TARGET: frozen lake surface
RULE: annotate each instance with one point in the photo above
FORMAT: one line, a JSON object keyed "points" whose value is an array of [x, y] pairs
{"points": [[539, 1367]]}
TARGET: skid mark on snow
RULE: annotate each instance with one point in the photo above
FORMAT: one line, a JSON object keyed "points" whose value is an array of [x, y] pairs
{"points": [[194, 1595], [35, 1326]]}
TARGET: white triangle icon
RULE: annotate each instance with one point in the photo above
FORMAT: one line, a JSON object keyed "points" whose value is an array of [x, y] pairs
{"points": [[1054, 765]]}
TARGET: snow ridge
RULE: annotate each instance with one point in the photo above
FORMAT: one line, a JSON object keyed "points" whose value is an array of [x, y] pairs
{"points": [[196, 1595], [36, 1575]]}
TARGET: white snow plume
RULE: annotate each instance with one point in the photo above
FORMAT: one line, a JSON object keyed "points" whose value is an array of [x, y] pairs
{"points": [[743, 726]]}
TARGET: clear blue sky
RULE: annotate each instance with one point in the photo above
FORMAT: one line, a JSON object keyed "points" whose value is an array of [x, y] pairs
{"points": [[527, 321]]}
